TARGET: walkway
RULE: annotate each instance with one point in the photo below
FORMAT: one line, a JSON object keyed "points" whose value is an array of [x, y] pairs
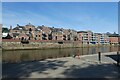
{"points": [[68, 67]]}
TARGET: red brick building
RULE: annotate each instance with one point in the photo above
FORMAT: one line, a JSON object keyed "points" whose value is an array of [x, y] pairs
{"points": [[84, 36], [92, 38], [113, 39], [57, 36], [44, 32]]}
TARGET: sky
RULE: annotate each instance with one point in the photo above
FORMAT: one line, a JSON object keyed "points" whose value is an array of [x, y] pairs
{"points": [[95, 16], [60, 0], [0, 12]]}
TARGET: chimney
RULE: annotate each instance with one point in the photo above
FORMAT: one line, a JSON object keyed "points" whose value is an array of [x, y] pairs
{"points": [[10, 32], [10, 27]]}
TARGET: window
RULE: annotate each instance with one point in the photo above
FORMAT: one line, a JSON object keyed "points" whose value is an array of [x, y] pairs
{"points": [[56, 37], [30, 29]]}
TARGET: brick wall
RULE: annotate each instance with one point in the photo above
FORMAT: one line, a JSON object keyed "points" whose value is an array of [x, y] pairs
{"points": [[113, 39]]}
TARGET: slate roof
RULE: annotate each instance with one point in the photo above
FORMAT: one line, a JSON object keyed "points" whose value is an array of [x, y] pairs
{"points": [[82, 32], [114, 35], [29, 24], [15, 34], [98, 33]]}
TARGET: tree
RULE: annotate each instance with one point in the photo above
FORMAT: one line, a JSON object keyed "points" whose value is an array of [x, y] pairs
{"points": [[5, 30]]}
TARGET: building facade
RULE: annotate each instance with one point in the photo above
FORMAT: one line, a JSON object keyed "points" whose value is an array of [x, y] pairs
{"points": [[88, 37], [30, 32]]}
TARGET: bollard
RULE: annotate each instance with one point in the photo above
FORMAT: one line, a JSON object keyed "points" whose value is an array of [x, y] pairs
{"points": [[118, 59], [99, 57]]}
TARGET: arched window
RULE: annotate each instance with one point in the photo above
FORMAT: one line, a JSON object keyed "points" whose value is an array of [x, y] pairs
{"points": [[30, 29]]}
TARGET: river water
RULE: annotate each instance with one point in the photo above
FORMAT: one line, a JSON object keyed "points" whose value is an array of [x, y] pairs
{"points": [[33, 55]]}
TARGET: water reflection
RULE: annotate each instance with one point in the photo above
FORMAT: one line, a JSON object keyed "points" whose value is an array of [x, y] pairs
{"points": [[32, 55]]}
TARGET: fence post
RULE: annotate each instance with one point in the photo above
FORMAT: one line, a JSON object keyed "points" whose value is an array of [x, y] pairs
{"points": [[99, 57]]}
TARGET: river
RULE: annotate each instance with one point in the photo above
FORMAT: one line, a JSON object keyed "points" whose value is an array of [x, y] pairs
{"points": [[17, 56]]}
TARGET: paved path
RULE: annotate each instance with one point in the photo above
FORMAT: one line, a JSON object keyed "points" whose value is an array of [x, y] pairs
{"points": [[87, 66]]}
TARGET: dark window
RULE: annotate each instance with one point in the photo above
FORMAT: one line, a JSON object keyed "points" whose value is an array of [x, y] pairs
{"points": [[64, 37], [22, 38], [30, 29], [5, 30], [50, 36], [56, 37]]}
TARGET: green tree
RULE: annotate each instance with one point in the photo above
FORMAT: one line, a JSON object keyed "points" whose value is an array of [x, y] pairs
{"points": [[5, 30]]}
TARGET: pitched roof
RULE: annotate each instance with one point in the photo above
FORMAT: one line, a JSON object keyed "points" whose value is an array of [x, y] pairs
{"points": [[16, 28], [22, 34], [114, 35], [29, 24], [15, 34], [82, 32], [98, 33]]}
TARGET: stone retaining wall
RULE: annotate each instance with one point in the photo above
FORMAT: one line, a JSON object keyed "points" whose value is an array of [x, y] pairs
{"points": [[41, 45]]}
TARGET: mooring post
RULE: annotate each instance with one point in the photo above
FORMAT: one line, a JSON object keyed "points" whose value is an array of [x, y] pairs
{"points": [[118, 58], [99, 57]]}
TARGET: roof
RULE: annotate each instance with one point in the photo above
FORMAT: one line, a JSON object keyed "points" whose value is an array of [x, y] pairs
{"points": [[16, 28], [82, 32], [5, 30], [27, 34], [22, 34], [40, 27], [37, 29], [114, 35], [98, 33], [29, 24], [57, 32], [15, 34]]}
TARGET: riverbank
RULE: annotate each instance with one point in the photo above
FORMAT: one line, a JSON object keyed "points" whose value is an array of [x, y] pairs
{"points": [[17, 56], [87, 66], [45, 45]]}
